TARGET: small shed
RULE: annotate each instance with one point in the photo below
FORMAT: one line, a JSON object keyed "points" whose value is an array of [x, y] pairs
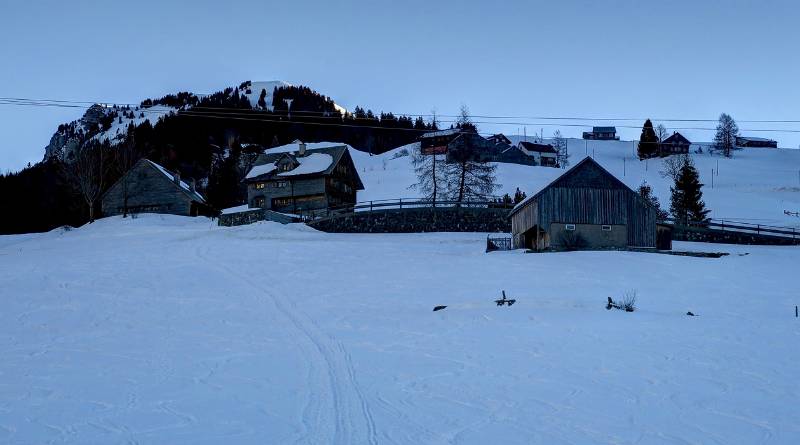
{"points": [[585, 208]]}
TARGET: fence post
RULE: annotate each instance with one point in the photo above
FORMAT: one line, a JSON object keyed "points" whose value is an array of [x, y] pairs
{"points": [[370, 206]]}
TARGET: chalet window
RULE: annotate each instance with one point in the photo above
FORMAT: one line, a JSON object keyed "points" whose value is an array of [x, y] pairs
{"points": [[569, 227], [279, 184], [605, 228], [281, 202], [260, 185], [285, 167], [258, 201]]}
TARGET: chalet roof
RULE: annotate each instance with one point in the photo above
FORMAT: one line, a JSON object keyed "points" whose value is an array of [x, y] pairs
{"points": [[676, 138], [182, 186], [316, 162], [539, 148], [563, 180], [604, 129], [447, 132]]}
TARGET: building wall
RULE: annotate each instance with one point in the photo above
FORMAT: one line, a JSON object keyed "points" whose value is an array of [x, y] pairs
{"points": [[298, 190], [592, 235], [148, 191]]}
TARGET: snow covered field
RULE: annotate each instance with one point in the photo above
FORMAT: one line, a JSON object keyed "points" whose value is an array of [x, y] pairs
{"points": [[756, 185], [166, 329]]}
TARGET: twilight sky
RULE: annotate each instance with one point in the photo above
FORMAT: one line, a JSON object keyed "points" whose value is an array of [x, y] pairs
{"points": [[615, 59]]}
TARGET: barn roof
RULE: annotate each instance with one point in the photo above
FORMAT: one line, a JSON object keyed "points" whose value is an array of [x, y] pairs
{"points": [[183, 187], [604, 129], [564, 181], [539, 148]]}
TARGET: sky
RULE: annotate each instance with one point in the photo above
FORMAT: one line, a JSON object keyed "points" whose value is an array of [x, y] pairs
{"points": [[522, 59]]}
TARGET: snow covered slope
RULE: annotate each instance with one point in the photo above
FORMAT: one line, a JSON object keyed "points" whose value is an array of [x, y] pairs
{"points": [[172, 330], [756, 185]]}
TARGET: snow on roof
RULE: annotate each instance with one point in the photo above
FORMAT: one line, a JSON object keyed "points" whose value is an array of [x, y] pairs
{"points": [[237, 209], [183, 185], [295, 146], [447, 132], [755, 139], [259, 170], [313, 163]]}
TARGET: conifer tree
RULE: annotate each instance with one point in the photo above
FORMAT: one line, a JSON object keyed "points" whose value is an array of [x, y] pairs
{"points": [[262, 102], [646, 192], [648, 141], [686, 201]]}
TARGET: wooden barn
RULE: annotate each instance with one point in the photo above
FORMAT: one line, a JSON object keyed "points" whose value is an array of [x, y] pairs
{"points": [[150, 188], [585, 208]]}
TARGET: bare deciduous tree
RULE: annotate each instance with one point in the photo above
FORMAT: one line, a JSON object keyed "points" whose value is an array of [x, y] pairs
{"points": [[89, 168], [562, 151], [126, 156], [671, 167], [661, 132], [468, 177], [725, 138]]}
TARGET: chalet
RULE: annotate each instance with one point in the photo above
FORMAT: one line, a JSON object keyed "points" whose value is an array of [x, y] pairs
{"points": [[748, 141], [150, 188], [499, 139], [295, 179], [602, 134], [543, 154], [584, 208], [674, 145], [436, 142]]}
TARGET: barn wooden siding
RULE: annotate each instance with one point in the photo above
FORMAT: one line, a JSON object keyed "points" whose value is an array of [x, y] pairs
{"points": [[589, 206]]}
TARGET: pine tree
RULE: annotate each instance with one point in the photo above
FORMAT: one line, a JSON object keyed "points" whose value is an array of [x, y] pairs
{"points": [[560, 144], [725, 138], [646, 192], [686, 201], [262, 102], [648, 141], [519, 196]]}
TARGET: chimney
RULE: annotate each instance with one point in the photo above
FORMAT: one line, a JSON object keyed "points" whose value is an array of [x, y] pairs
{"points": [[176, 177], [193, 186], [301, 151]]}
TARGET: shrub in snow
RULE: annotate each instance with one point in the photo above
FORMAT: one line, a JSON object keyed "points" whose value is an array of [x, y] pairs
{"points": [[627, 304]]}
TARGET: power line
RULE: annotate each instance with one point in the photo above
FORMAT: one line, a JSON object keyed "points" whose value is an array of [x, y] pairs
{"points": [[231, 113]]}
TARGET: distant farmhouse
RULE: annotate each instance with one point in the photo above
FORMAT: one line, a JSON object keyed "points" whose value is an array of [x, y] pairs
{"points": [[673, 145], [496, 148], [748, 141], [304, 180], [602, 134], [585, 208], [151, 188], [543, 154]]}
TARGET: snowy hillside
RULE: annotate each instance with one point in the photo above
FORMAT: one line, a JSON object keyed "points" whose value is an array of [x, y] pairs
{"points": [[756, 185], [165, 329]]}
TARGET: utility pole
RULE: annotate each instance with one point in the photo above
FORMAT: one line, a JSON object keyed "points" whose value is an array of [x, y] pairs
{"points": [[712, 178], [623, 165]]}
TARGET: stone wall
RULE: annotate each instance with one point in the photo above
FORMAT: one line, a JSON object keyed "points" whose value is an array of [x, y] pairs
{"points": [[730, 237], [254, 215], [443, 219]]}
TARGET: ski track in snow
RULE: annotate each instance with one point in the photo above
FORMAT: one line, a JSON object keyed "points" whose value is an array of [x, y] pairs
{"points": [[352, 417]]}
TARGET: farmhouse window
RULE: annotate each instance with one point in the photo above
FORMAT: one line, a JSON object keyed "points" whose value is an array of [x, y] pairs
{"points": [[605, 228], [260, 185], [569, 227]]}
